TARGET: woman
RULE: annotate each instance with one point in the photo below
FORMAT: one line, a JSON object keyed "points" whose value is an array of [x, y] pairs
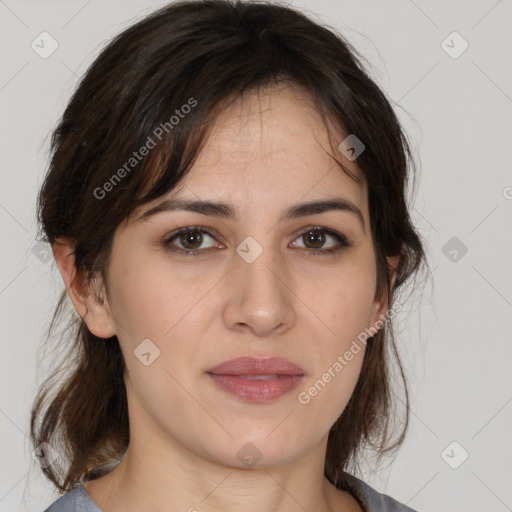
{"points": [[226, 205]]}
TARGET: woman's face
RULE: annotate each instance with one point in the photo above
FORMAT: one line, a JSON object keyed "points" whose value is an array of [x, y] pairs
{"points": [[247, 287]]}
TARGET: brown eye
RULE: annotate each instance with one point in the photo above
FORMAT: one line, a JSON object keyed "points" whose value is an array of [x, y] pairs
{"points": [[191, 239], [188, 241], [315, 238], [312, 237]]}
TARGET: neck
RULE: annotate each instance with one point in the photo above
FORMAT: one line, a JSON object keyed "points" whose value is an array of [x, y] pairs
{"points": [[149, 478]]}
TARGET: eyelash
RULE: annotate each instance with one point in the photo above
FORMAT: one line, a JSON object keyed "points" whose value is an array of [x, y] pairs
{"points": [[342, 241]]}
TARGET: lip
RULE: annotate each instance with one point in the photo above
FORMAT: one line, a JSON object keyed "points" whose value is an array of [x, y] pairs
{"points": [[248, 365], [239, 378]]}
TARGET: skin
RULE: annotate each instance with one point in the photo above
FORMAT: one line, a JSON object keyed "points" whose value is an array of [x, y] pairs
{"points": [[264, 154]]}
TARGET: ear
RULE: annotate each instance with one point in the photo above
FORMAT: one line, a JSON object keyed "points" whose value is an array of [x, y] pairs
{"points": [[380, 304], [93, 310]]}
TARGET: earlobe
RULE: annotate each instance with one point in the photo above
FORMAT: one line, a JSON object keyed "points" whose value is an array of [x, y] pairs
{"points": [[91, 308]]}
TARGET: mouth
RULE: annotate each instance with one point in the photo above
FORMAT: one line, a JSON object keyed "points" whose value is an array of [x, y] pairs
{"points": [[258, 377], [252, 366], [257, 380]]}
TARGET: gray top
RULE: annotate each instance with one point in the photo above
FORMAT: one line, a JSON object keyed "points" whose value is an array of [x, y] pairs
{"points": [[78, 500]]}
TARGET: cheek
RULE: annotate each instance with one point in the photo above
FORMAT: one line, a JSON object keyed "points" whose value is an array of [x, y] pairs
{"points": [[345, 310], [140, 309], [339, 355], [155, 395], [344, 301], [326, 394], [173, 313], [153, 300]]}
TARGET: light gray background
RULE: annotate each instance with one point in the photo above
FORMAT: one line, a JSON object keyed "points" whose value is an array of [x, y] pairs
{"points": [[456, 341]]}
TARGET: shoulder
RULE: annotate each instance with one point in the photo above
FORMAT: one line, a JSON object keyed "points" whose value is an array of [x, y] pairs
{"points": [[372, 500], [76, 500]]}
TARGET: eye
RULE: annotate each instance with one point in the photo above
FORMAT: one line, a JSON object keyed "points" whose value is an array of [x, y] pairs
{"points": [[315, 237], [189, 241]]}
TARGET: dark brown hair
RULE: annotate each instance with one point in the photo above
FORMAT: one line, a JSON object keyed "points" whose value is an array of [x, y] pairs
{"points": [[204, 54]]}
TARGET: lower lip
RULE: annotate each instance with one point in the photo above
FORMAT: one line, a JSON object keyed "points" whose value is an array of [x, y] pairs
{"points": [[257, 390]]}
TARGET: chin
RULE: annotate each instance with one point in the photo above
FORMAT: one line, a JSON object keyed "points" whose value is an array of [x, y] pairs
{"points": [[258, 451]]}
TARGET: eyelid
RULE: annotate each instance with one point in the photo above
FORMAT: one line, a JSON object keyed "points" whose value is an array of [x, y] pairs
{"points": [[188, 253], [212, 232], [316, 227], [343, 241]]}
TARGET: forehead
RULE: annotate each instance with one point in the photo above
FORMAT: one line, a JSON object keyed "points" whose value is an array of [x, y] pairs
{"points": [[272, 144]]}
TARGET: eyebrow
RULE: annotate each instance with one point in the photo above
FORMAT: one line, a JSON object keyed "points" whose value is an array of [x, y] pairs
{"points": [[226, 211]]}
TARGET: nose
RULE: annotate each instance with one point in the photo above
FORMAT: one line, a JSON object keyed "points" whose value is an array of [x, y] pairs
{"points": [[260, 300]]}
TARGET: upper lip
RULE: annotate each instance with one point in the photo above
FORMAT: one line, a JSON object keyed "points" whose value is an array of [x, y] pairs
{"points": [[257, 366]]}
